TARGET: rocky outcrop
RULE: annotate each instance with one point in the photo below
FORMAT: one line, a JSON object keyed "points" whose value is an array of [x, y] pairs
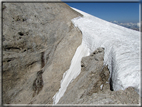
{"points": [[36, 36], [93, 85], [39, 42]]}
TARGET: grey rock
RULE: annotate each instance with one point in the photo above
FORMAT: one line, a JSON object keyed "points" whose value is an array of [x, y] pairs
{"points": [[39, 41], [92, 86], [36, 36]]}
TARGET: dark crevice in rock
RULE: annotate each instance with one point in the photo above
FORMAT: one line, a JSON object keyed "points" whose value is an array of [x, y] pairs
{"points": [[111, 81], [82, 65], [12, 48], [30, 64], [21, 33], [42, 60], [38, 83], [111, 84], [24, 19], [8, 60], [24, 50]]}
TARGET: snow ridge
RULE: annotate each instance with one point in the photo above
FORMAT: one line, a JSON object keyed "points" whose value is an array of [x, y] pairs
{"points": [[122, 52]]}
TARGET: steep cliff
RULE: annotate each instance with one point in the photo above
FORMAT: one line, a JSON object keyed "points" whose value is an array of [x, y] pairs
{"points": [[36, 36]]}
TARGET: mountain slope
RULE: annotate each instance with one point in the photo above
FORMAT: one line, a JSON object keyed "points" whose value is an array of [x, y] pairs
{"points": [[121, 48], [43, 47]]}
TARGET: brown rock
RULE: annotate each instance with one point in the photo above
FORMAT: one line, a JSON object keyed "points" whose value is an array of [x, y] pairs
{"points": [[29, 30]]}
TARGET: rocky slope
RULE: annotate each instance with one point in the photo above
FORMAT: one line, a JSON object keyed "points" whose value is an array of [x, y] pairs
{"points": [[92, 86], [36, 36], [39, 42]]}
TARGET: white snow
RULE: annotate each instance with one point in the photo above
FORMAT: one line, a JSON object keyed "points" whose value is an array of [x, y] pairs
{"points": [[72, 72], [101, 86], [122, 52]]}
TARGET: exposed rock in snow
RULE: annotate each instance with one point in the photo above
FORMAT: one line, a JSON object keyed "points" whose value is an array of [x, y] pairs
{"points": [[85, 89]]}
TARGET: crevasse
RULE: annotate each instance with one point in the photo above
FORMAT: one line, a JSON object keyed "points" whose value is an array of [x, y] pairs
{"points": [[122, 52]]}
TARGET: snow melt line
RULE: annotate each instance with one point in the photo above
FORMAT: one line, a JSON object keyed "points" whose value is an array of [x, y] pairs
{"points": [[72, 72]]}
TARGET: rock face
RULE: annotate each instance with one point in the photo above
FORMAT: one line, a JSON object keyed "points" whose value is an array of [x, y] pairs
{"points": [[92, 86], [36, 36], [39, 42]]}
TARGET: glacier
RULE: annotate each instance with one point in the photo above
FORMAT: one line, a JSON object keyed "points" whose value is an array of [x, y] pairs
{"points": [[122, 52]]}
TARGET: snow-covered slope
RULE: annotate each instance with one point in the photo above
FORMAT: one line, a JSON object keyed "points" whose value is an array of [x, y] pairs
{"points": [[122, 52]]}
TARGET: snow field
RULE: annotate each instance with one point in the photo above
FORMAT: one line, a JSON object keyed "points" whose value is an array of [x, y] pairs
{"points": [[122, 49], [122, 52]]}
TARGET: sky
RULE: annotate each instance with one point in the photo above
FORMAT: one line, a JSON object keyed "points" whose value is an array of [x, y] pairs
{"points": [[121, 12]]}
